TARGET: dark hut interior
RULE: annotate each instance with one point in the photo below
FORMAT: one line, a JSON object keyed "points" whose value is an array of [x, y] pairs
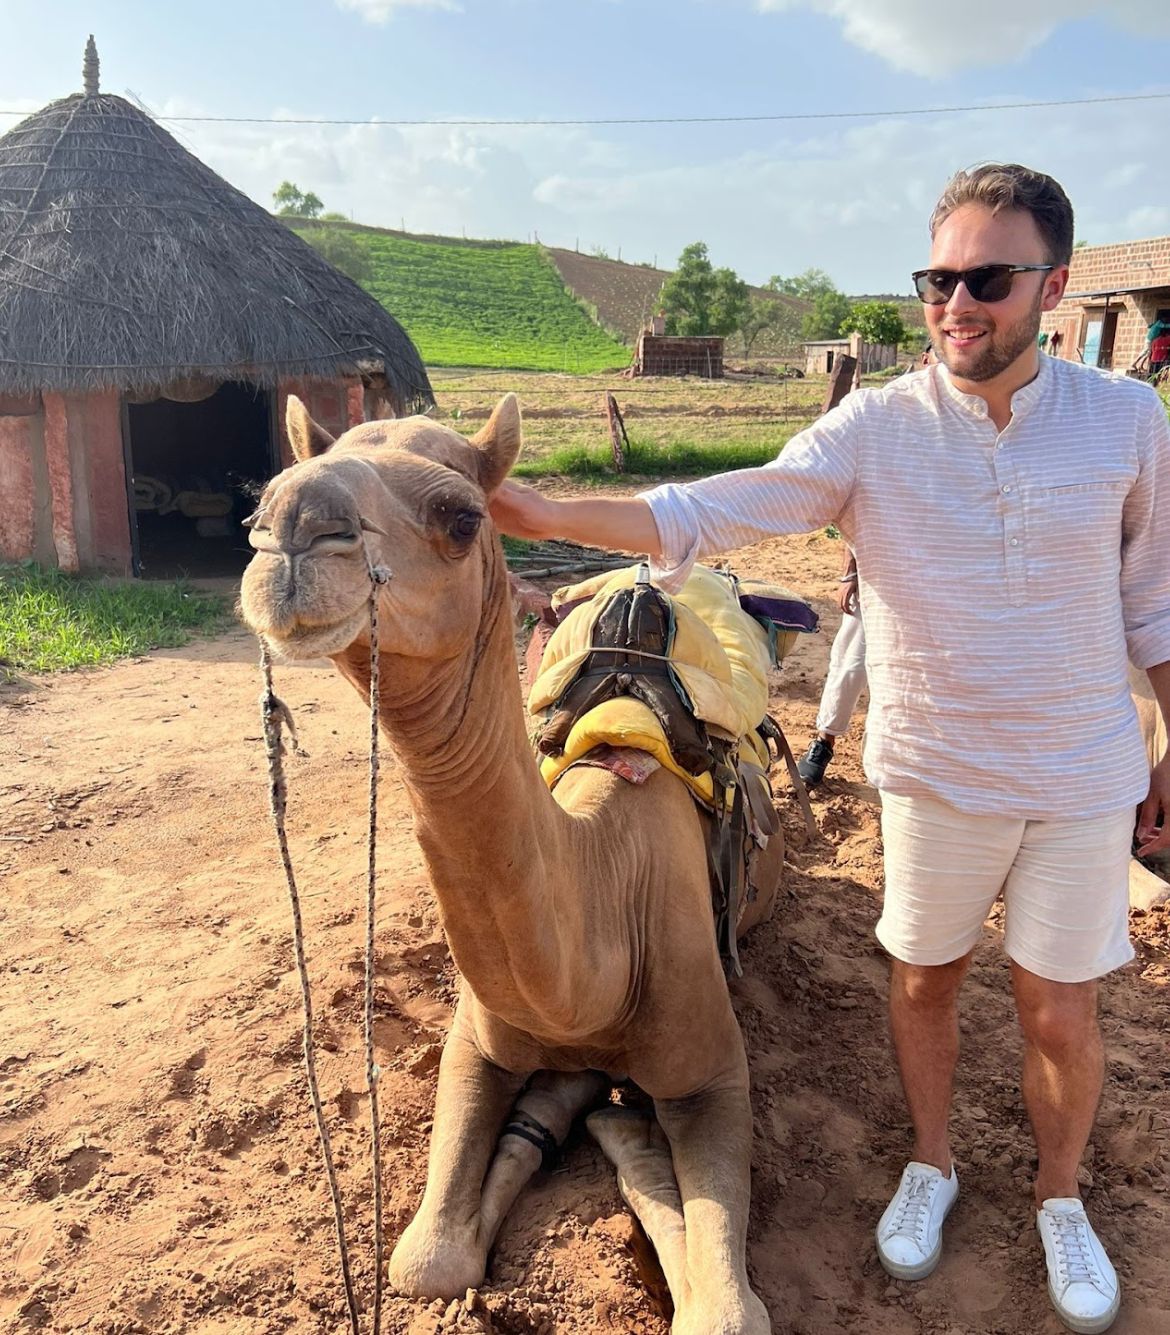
{"points": [[196, 469]]}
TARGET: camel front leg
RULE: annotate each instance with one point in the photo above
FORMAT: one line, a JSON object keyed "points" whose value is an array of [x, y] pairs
{"points": [[635, 1144], [442, 1252], [710, 1138]]}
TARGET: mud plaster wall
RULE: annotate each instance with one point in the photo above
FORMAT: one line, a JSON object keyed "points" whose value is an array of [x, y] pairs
{"points": [[334, 404], [63, 484]]}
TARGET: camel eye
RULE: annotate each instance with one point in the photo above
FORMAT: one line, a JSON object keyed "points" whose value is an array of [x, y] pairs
{"points": [[466, 524]]}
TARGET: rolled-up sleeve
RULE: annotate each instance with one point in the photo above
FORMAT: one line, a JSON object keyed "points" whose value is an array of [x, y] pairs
{"points": [[1145, 550], [806, 486]]}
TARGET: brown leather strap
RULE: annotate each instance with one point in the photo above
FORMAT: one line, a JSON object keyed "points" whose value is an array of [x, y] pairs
{"points": [[773, 734]]}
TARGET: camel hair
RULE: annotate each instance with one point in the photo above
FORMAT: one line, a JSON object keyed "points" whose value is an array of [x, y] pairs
{"points": [[580, 919]]}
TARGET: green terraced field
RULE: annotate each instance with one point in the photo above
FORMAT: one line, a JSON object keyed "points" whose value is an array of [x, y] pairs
{"points": [[492, 305]]}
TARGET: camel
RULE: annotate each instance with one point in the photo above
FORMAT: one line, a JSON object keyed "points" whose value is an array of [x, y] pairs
{"points": [[580, 919]]}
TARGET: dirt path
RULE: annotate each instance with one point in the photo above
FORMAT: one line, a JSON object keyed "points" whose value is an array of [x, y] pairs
{"points": [[158, 1167]]}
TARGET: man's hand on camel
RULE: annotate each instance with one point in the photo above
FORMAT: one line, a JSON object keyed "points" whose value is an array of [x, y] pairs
{"points": [[1152, 837], [521, 511]]}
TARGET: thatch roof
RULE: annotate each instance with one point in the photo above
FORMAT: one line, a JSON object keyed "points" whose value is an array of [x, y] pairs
{"points": [[125, 262]]}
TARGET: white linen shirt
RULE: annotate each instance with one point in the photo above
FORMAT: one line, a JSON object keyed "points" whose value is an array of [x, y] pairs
{"points": [[1003, 576]]}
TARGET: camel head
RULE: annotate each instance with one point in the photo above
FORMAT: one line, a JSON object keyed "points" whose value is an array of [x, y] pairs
{"points": [[409, 496]]}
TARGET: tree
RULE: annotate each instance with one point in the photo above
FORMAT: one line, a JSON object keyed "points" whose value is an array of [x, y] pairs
{"points": [[767, 313], [292, 202], [342, 249], [699, 299], [829, 309], [808, 285], [876, 322]]}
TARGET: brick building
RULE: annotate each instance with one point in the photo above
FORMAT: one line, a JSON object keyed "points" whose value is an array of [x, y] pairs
{"points": [[1114, 294], [665, 354]]}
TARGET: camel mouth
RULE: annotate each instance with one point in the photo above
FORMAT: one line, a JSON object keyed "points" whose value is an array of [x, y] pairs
{"points": [[318, 641]]}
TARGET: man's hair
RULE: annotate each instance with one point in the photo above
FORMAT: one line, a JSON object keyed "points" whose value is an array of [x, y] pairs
{"points": [[1007, 185]]}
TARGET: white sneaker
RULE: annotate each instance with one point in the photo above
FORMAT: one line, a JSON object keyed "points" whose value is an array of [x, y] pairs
{"points": [[909, 1234], [1081, 1282]]}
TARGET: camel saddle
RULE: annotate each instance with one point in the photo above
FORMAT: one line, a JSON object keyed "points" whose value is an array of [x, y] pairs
{"points": [[682, 678]]}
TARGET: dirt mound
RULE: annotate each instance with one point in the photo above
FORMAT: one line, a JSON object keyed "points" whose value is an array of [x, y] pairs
{"points": [[158, 1167]]}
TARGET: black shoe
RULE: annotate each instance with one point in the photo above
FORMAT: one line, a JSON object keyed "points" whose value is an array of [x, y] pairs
{"points": [[812, 765]]}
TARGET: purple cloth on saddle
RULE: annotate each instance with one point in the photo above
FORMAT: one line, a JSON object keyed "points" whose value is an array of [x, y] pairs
{"points": [[786, 613]]}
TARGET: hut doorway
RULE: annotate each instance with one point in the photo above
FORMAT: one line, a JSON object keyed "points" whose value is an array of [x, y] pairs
{"points": [[194, 468]]}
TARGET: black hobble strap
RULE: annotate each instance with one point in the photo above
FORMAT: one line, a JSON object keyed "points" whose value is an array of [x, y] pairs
{"points": [[635, 619], [529, 1129]]}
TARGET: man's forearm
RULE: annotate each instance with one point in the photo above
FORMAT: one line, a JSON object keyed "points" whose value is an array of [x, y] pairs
{"points": [[624, 522]]}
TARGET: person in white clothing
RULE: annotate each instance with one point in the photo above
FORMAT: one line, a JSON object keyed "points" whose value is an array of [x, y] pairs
{"points": [[844, 681], [1011, 519]]}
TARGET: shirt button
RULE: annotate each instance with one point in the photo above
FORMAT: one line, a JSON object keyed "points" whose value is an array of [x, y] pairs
{"points": [[1015, 542], [1005, 490]]}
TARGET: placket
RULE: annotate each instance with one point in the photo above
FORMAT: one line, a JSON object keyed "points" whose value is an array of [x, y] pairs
{"points": [[1011, 509]]}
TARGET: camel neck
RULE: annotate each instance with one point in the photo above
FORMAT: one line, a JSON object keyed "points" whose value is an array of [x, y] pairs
{"points": [[504, 859]]}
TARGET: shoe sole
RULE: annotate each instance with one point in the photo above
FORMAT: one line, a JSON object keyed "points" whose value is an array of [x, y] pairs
{"points": [[1084, 1325], [924, 1268]]}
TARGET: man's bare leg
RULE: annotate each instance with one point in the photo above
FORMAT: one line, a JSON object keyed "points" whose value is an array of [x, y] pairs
{"points": [[1064, 1065], [925, 1026]]}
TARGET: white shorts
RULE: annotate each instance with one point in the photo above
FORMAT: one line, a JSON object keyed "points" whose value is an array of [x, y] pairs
{"points": [[1065, 886]]}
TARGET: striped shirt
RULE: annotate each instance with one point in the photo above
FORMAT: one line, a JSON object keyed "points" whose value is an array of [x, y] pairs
{"points": [[1004, 576]]}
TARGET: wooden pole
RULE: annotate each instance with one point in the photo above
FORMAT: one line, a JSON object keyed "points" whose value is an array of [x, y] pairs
{"points": [[617, 433], [840, 381]]}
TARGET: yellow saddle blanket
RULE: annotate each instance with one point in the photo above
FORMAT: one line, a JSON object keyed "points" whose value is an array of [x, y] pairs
{"points": [[719, 654]]}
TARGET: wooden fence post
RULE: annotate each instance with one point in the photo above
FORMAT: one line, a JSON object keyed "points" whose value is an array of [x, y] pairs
{"points": [[617, 433], [840, 381]]}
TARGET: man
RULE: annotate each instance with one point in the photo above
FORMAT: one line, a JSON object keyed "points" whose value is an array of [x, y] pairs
{"points": [[844, 681], [1011, 518]]}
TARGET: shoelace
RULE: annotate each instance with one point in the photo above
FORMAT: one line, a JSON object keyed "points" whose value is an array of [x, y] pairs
{"points": [[1074, 1256], [914, 1209]]}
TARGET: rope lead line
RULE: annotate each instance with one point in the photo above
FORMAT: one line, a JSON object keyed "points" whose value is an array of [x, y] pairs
{"points": [[274, 714], [379, 575]]}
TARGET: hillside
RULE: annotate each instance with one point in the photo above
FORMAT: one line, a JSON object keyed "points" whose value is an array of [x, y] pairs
{"points": [[489, 304], [626, 295], [511, 305]]}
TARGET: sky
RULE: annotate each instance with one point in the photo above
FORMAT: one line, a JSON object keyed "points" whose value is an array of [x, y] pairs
{"points": [[826, 188]]}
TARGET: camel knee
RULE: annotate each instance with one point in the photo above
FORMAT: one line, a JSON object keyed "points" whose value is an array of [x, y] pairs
{"points": [[432, 1261]]}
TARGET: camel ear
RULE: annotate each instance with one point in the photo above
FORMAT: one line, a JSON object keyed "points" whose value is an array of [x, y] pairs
{"points": [[498, 443], [306, 437]]}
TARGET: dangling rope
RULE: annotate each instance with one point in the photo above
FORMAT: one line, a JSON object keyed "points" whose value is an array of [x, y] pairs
{"points": [[379, 575], [275, 715]]}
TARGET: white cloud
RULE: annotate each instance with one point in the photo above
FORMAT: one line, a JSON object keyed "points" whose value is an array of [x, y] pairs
{"points": [[919, 36], [381, 11]]}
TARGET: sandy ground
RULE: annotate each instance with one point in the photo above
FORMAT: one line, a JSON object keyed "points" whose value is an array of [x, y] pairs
{"points": [[159, 1170]]}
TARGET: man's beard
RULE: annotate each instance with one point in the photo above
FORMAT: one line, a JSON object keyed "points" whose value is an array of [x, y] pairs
{"points": [[999, 349]]}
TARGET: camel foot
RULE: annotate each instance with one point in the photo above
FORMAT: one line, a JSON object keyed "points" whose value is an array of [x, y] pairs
{"points": [[752, 1320], [710, 1297], [431, 1261]]}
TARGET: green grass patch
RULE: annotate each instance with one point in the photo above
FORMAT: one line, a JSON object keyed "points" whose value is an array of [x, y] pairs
{"points": [[499, 306], [51, 622], [659, 458], [514, 546]]}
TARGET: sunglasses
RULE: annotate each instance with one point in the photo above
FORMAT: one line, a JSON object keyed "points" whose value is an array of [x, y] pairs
{"points": [[989, 282]]}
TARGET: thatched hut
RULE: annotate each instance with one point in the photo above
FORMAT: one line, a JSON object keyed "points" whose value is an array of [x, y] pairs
{"points": [[153, 320]]}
